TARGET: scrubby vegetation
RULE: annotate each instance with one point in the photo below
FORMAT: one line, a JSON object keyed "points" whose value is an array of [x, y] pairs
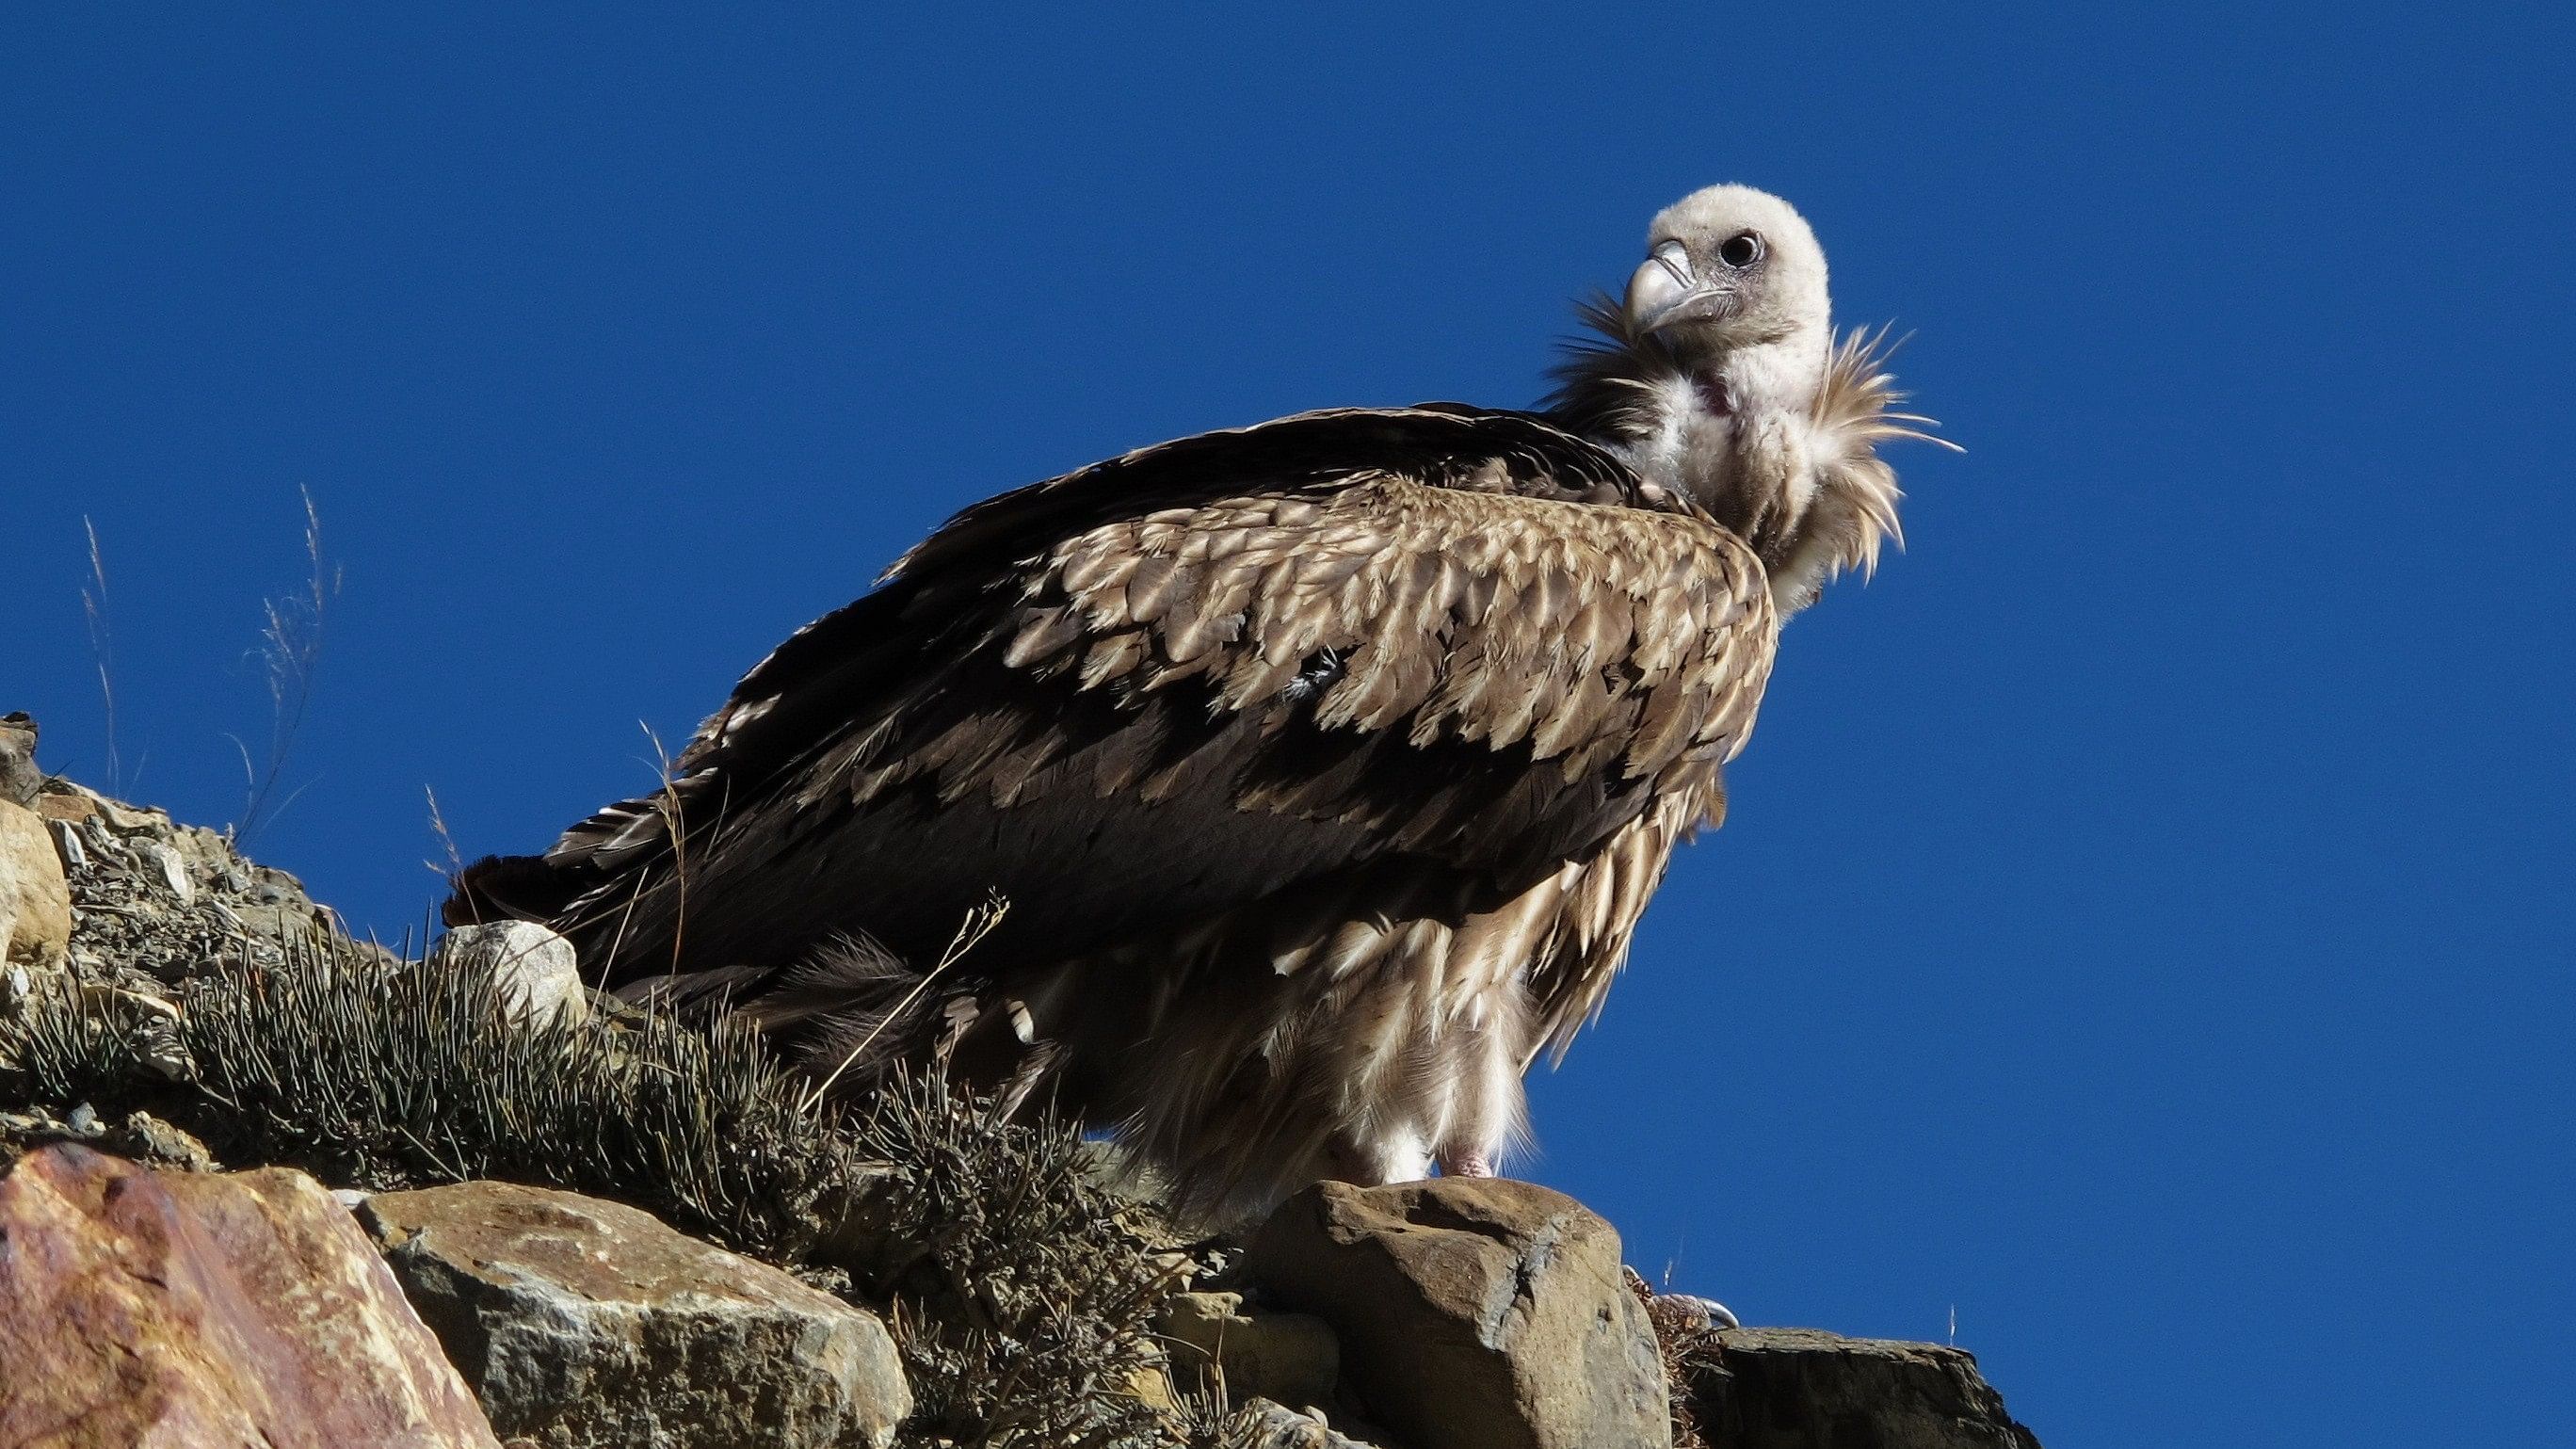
{"points": [[1019, 1286], [1048, 1284], [380, 1078]]}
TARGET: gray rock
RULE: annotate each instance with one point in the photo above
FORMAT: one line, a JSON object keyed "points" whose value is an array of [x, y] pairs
{"points": [[537, 970], [1213, 1340], [1793, 1388], [1473, 1313], [147, 1139], [101, 840], [584, 1324], [155, 901], [170, 871], [67, 845], [288, 924]]}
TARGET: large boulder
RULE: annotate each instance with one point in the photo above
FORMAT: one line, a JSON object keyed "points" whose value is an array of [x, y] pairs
{"points": [[240, 1312], [1473, 1313], [584, 1323], [1796, 1388]]}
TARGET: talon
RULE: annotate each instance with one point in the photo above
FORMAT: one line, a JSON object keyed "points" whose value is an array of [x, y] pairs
{"points": [[1465, 1164], [1717, 1314]]}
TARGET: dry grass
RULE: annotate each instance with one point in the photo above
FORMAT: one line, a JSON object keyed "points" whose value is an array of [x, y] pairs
{"points": [[1027, 1286], [376, 1078], [1683, 1339], [102, 648], [290, 654]]}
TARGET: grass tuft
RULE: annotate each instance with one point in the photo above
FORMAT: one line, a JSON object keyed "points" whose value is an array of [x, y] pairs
{"points": [[381, 1078], [1028, 1286]]}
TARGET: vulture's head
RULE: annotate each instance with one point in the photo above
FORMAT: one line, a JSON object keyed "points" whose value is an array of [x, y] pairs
{"points": [[1718, 375], [1729, 270]]}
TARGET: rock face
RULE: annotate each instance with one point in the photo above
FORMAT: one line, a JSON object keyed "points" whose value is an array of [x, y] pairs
{"points": [[35, 899], [584, 1323], [1473, 1313], [155, 903], [148, 1308], [1795, 1388], [537, 970]]}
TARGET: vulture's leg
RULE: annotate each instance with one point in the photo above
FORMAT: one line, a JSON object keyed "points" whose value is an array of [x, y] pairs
{"points": [[1375, 1162]]}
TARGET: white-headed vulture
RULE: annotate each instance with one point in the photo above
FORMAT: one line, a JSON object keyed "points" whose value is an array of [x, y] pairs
{"points": [[1325, 766]]}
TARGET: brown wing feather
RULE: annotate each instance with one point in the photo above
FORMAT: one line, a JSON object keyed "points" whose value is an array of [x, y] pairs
{"points": [[1184, 681]]}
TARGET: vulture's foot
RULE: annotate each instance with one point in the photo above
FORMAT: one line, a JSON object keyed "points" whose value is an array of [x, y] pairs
{"points": [[1469, 1163], [1717, 1314]]}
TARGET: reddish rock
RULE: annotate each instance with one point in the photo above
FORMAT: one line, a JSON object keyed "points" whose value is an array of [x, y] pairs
{"points": [[143, 1308]]}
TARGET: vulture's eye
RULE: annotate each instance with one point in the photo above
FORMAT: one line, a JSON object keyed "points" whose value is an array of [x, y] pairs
{"points": [[1741, 250]]}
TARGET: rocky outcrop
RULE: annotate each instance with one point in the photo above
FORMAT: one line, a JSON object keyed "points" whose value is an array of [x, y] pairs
{"points": [[584, 1324], [20, 778], [148, 1308], [1795, 1388], [1473, 1313], [156, 903], [207, 1009]]}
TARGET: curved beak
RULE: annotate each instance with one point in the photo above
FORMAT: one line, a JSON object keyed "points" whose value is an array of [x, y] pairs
{"points": [[1665, 293]]}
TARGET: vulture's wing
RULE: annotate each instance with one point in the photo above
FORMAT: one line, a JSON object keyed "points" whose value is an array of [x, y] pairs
{"points": [[1187, 680]]}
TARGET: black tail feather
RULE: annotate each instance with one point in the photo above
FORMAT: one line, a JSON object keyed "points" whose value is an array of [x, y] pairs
{"points": [[511, 888]]}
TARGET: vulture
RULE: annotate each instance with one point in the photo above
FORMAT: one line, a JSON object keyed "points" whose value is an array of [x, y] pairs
{"points": [[1272, 798]]}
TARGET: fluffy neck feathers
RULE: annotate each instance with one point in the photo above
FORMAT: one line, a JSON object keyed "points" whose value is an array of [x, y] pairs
{"points": [[1777, 438]]}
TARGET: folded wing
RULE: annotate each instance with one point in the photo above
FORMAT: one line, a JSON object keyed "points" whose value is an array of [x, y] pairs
{"points": [[1183, 683]]}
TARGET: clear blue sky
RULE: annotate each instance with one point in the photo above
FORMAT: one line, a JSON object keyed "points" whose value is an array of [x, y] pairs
{"points": [[2143, 926]]}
